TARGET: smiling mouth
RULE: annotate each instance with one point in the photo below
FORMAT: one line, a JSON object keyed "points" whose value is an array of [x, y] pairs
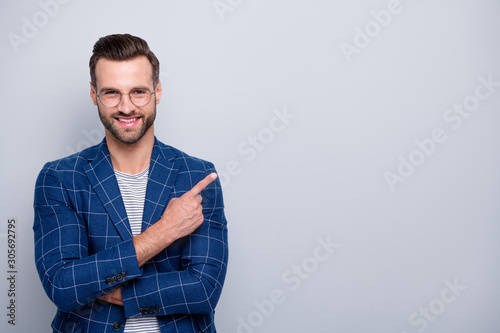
{"points": [[128, 122]]}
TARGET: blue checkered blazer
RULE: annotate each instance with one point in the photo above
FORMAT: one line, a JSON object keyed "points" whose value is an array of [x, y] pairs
{"points": [[84, 249]]}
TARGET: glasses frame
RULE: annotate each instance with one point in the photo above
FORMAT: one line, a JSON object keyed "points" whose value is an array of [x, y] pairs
{"points": [[129, 97]]}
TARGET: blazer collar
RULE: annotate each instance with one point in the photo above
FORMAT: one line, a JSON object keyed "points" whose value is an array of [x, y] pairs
{"points": [[162, 174]]}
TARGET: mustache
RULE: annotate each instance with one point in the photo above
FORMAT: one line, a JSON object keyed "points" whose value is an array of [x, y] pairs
{"points": [[126, 115]]}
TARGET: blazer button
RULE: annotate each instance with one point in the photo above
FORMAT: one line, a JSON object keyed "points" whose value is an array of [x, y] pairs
{"points": [[107, 281], [116, 326], [157, 310], [141, 310], [119, 277], [113, 279], [124, 275]]}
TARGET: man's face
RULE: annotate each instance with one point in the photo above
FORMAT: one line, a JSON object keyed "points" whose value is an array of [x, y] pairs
{"points": [[127, 122]]}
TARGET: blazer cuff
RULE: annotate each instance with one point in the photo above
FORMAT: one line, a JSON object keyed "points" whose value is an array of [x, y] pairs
{"points": [[129, 267], [141, 297]]}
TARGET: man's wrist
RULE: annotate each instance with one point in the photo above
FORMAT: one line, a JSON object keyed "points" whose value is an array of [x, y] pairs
{"points": [[151, 242]]}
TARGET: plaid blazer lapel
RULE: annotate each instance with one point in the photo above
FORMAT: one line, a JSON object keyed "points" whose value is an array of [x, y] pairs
{"points": [[102, 178], [162, 175]]}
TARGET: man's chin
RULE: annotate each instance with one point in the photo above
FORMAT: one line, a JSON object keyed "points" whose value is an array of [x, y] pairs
{"points": [[127, 138]]}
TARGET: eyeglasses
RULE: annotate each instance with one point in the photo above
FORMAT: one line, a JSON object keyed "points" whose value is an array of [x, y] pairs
{"points": [[138, 96]]}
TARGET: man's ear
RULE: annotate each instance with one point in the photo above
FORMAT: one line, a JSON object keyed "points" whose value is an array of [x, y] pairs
{"points": [[158, 92], [93, 94]]}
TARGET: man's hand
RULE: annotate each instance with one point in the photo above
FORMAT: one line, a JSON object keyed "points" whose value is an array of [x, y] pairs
{"points": [[114, 297], [182, 216]]}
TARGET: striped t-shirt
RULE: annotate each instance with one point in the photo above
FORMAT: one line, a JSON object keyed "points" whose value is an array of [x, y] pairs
{"points": [[133, 191]]}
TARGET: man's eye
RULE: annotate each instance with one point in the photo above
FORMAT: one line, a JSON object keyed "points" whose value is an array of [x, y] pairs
{"points": [[110, 93], [138, 92]]}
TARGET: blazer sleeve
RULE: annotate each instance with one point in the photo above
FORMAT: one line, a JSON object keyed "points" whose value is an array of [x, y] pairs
{"points": [[70, 276], [196, 288]]}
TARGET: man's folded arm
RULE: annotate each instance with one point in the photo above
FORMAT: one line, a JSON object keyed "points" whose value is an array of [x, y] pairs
{"points": [[195, 288]]}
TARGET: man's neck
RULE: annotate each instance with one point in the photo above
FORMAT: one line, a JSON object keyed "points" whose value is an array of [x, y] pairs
{"points": [[130, 158]]}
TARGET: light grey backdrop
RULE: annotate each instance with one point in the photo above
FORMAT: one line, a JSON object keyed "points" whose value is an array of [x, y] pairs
{"points": [[357, 142]]}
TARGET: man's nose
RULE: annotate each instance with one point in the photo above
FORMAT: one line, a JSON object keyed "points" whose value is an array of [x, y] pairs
{"points": [[126, 105]]}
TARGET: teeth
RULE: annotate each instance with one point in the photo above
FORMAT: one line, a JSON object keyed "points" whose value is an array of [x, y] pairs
{"points": [[128, 120]]}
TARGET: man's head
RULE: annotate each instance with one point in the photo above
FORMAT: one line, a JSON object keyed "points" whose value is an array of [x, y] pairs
{"points": [[125, 86], [124, 47]]}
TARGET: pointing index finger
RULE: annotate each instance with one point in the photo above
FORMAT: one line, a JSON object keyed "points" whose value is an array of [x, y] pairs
{"points": [[203, 183]]}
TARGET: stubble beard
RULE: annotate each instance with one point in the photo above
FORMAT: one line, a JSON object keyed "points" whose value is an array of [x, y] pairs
{"points": [[126, 135]]}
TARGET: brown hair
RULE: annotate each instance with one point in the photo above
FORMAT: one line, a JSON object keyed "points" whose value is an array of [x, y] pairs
{"points": [[122, 47]]}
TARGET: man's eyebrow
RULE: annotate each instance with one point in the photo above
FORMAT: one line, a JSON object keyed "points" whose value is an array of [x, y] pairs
{"points": [[136, 87]]}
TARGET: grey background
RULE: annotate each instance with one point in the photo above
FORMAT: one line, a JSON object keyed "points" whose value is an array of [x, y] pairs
{"points": [[321, 176]]}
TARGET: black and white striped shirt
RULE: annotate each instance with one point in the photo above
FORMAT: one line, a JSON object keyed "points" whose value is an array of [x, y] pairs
{"points": [[133, 191]]}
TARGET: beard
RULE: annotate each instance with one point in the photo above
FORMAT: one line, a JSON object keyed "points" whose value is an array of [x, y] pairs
{"points": [[127, 135]]}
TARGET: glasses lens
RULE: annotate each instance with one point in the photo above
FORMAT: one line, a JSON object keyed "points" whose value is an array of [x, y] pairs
{"points": [[110, 98], [140, 97]]}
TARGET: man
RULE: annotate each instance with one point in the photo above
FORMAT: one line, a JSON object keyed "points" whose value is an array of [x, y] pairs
{"points": [[130, 234]]}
